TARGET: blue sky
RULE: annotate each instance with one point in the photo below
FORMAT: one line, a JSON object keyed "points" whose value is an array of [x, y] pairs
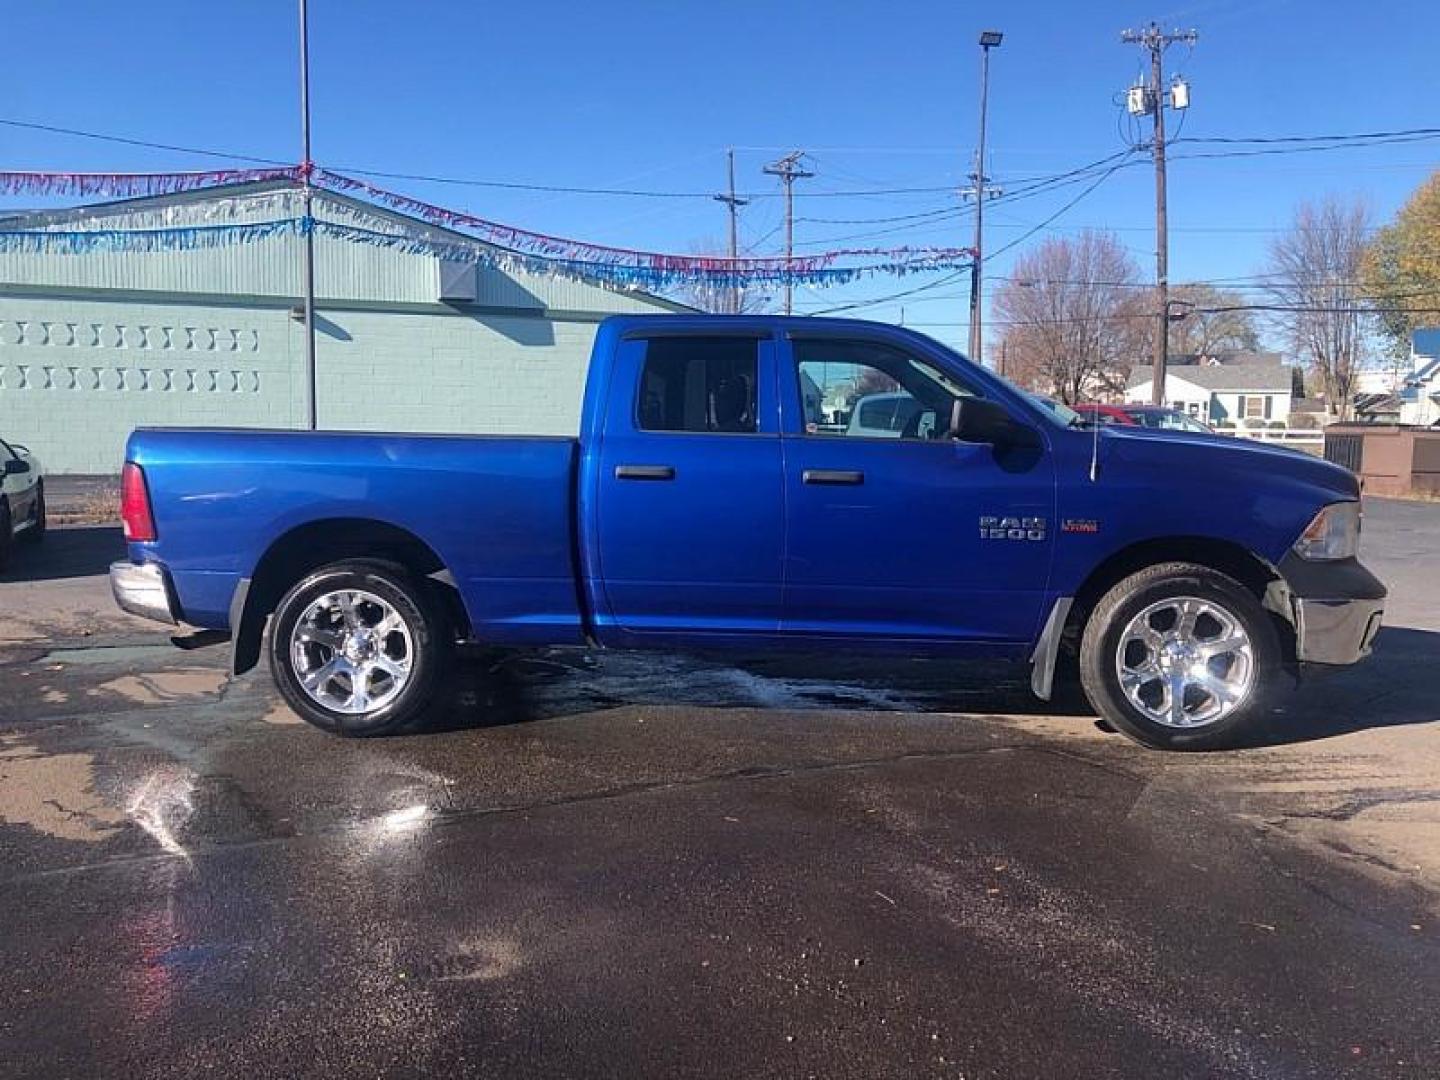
{"points": [[650, 95]]}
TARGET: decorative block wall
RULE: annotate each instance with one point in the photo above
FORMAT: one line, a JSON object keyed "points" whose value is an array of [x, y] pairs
{"points": [[78, 374]]}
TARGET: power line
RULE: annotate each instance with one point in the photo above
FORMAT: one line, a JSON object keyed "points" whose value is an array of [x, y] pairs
{"points": [[1361, 136], [877, 220], [1028, 185], [946, 280], [1064, 209], [995, 254], [126, 141]]}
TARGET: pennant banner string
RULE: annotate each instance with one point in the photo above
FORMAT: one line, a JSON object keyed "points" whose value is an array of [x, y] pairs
{"points": [[496, 244]]}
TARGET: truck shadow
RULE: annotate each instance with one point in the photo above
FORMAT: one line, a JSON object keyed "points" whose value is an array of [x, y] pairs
{"points": [[66, 552], [1393, 688], [495, 688], [498, 688]]}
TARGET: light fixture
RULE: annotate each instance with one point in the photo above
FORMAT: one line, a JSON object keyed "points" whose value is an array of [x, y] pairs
{"points": [[990, 38]]}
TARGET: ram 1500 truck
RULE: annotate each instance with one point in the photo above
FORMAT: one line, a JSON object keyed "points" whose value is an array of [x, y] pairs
{"points": [[721, 495]]}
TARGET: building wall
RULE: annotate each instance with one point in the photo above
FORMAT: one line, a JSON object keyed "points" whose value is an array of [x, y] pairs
{"points": [[78, 374], [94, 345], [479, 373]]}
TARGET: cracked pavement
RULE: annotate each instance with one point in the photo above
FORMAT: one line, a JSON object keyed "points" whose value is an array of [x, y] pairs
{"points": [[608, 865]]}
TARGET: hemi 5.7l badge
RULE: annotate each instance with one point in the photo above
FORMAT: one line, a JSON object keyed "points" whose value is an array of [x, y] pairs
{"points": [[1012, 528], [1079, 525]]}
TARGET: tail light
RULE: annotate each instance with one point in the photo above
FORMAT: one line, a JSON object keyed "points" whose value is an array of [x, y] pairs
{"points": [[135, 504]]}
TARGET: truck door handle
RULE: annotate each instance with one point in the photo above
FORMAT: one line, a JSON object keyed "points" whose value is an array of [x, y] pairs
{"points": [[644, 472], [833, 476]]}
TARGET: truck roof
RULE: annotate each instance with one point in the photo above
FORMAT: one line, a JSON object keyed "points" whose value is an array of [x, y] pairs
{"points": [[684, 322]]}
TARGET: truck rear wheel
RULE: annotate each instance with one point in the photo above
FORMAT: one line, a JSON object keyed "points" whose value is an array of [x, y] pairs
{"points": [[358, 648], [1180, 657]]}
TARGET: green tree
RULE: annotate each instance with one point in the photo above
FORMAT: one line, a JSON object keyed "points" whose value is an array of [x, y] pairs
{"points": [[1402, 267]]}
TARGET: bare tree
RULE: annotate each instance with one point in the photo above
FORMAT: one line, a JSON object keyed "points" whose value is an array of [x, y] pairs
{"points": [[1208, 328], [722, 299], [1073, 316], [1317, 272]]}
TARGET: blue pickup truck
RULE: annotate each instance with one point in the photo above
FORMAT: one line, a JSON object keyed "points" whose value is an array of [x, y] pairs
{"points": [[720, 497]]}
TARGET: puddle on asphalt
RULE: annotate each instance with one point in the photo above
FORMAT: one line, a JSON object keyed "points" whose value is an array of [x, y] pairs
{"points": [[109, 654]]}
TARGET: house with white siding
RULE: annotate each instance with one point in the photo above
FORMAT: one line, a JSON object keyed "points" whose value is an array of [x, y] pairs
{"points": [[1223, 395], [1420, 389]]}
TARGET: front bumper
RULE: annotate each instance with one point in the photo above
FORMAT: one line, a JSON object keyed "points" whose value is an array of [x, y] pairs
{"points": [[1336, 608], [143, 589], [1335, 631]]}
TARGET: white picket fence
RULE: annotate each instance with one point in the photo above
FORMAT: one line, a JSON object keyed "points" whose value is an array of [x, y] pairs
{"points": [[1303, 438]]}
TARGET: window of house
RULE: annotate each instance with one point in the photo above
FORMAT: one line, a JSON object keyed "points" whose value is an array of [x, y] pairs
{"points": [[867, 390], [1255, 407], [699, 384]]}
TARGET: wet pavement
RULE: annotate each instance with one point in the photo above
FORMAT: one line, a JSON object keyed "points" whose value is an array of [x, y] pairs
{"points": [[602, 865]]}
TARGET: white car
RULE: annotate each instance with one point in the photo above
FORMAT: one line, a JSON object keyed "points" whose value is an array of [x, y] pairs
{"points": [[22, 497], [891, 415]]}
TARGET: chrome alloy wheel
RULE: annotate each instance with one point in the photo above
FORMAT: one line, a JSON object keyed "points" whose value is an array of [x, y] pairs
{"points": [[351, 651], [1185, 662]]}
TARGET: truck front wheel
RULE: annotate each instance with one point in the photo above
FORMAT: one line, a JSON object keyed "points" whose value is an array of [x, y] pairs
{"points": [[358, 648], [1180, 657]]}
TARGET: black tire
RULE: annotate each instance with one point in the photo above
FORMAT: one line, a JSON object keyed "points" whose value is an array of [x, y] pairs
{"points": [[1102, 640], [36, 532], [429, 650]]}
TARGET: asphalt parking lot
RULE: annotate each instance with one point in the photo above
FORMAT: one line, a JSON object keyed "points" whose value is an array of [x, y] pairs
{"points": [[600, 865]]}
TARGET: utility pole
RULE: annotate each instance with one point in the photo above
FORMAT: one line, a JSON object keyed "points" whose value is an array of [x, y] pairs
{"points": [[989, 39], [733, 202], [789, 170], [1150, 98], [307, 199]]}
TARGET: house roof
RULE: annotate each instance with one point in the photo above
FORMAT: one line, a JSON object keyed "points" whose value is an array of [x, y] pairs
{"points": [[1425, 341], [1224, 359], [1372, 404], [1223, 377]]}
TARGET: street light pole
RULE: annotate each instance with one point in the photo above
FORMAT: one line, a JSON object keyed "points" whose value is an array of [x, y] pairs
{"points": [[989, 39], [307, 200]]}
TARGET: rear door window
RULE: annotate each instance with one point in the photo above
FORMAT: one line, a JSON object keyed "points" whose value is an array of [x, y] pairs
{"points": [[699, 384]]}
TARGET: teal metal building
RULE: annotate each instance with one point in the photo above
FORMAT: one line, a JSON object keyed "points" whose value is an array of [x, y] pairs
{"points": [[95, 344]]}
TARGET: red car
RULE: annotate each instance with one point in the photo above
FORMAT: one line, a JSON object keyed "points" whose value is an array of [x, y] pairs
{"points": [[1150, 416]]}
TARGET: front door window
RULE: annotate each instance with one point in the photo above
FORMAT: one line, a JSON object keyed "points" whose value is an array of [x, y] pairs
{"points": [[869, 391]]}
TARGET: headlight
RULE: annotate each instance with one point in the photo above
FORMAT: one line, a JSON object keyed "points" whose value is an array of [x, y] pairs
{"points": [[1334, 533]]}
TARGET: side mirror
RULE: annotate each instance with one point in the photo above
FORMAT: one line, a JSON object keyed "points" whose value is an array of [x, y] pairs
{"points": [[14, 466], [976, 420]]}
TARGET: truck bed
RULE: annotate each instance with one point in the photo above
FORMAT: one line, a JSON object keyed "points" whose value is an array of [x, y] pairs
{"points": [[495, 510]]}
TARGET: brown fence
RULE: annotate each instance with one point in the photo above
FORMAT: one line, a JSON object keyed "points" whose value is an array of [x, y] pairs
{"points": [[1391, 459]]}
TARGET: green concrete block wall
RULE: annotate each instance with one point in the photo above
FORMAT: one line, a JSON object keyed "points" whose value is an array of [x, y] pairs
{"points": [[444, 372], [78, 374]]}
